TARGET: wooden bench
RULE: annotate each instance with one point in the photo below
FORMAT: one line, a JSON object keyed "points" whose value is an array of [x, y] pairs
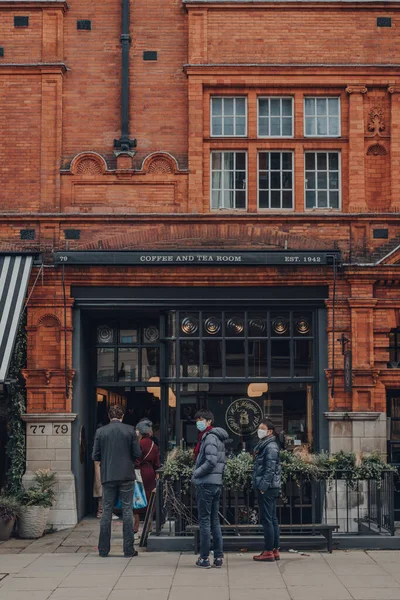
{"points": [[325, 530]]}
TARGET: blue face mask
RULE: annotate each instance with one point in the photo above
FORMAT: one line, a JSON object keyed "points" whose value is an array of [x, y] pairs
{"points": [[201, 425]]}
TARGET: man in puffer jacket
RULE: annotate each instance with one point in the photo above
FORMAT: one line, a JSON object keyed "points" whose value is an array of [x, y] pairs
{"points": [[207, 477], [267, 477]]}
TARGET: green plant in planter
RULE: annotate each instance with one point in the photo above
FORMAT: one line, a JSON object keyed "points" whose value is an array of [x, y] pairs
{"points": [[238, 472], [9, 508], [42, 492]]}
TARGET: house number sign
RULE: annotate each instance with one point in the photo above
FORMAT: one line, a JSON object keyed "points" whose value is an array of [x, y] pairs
{"points": [[47, 429]]}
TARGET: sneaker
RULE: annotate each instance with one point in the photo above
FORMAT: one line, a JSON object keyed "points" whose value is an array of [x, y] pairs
{"points": [[266, 556], [218, 562], [203, 563], [115, 517], [276, 554], [135, 553]]}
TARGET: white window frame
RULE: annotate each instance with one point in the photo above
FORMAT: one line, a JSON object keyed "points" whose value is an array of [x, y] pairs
{"points": [[338, 98], [234, 135], [258, 117], [258, 181], [327, 152], [246, 179]]}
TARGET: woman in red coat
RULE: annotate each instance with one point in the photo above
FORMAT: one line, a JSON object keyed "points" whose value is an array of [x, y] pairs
{"points": [[148, 463]]}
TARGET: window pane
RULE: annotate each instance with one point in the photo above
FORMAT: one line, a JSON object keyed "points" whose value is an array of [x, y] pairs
{"points": [[216, 201], [240, 181], [287, 126], [275, 125], [216, 126], [310, 126], [280, 358], [303, 323], [229, 158], [240, 106], [321, 106], [275, 180], [263, 200], [310, 199], [228, 125], [229, 199], [310, 161], [217, 180], [275, 160], [322, 126], [309, 106], [303, 358], [212, 358], [322, 181], [228, 106], [287, 199], [322, 199], [240, 199], [241, 161], [128, 364], [310, 180], [333, 127], [275, 199], [275, 107], [334, 160], [190, 358], [333, 106], [228, 180], [321, 161], [263, 161], [171, 357], [216, 160], [105, 364], [334, 199], [235, 358], [287, 180], [216, 106], [240, 126], [263, 109], [263, 125], [334, 180], [128, 336], [258, 358], [287, 107], [286, 160], [150, 363]]}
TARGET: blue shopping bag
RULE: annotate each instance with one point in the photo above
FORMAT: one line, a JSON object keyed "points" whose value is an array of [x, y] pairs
{"points": [[139, 497]]}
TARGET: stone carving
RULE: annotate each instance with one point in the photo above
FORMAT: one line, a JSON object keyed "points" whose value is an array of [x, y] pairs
{"points": [[160, 166], [356, 89], [376, 150], [376, 123], [88, 166]]}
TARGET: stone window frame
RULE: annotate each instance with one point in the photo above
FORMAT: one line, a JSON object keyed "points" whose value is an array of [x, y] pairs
{"points": [[314, 117], [328, 189], [234, 116], [234, 189], [281, 189], [281, 116]]}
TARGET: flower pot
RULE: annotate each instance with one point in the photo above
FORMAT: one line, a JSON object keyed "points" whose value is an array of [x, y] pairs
{"points": [[6, 528], [32, 522]]}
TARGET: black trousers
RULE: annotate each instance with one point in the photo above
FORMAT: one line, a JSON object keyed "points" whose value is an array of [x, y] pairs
{"points": [[269, 519]]}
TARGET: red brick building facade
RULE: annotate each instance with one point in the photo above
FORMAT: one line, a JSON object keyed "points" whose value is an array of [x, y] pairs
{"points": [[268, 126]]}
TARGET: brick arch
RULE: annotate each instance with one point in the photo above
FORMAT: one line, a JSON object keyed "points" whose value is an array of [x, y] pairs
{"points": [[160, 163], [207, 236], [49, 320], [88, 163]]}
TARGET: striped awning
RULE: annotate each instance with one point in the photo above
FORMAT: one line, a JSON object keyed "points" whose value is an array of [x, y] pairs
{"points": [[14, 275]]}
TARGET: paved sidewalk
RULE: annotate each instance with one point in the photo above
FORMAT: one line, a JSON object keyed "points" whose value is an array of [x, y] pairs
{"points": [[79, 576]]}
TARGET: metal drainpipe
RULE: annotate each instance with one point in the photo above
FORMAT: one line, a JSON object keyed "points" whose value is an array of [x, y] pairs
{"points": [[125, 144]]}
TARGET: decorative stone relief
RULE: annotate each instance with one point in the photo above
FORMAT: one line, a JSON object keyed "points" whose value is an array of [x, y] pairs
{"points": [[376, 122], [376, 150], [160, 166], [160, 163], [88, 163]]}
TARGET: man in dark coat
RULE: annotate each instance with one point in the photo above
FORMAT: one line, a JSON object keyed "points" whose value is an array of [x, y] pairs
{"points": [[116, 448], [207, 477]]}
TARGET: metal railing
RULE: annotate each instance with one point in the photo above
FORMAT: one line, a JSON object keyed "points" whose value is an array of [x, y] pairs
{"points": [[357, 507]]}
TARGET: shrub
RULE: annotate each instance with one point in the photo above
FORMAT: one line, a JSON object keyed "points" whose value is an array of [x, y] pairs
{"points": [[9, 508], [42, 492]]}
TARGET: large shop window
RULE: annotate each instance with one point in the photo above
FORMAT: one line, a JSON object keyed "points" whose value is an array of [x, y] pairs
{"points": [[322, 179], [228, 180], [275, 117], [275, 180], [394, 349], [322, 117], [241, 344], [228, 116], [128, 354]]}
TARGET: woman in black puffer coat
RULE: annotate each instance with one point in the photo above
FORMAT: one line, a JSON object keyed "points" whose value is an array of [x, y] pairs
{"points": [[267, 482]]}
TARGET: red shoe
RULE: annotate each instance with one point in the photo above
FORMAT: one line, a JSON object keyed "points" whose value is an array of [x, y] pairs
{"points": [[266, 556], [276, 554]]}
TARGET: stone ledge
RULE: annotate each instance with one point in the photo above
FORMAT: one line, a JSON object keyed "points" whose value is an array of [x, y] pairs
{"points": [[49, 417], [352, 416]]}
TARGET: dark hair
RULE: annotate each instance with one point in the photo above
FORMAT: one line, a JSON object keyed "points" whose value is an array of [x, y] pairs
{"points": [[204, 414], [268, 423], [116, 412], [280, 438]]}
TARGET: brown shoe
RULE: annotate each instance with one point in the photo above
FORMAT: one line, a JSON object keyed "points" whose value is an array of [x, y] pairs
{"points": [[276, 554], [266, 556]]}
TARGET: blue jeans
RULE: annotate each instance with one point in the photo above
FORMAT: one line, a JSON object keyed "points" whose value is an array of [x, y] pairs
{"points": [[269, 519], [111, 491], [208, 496]]}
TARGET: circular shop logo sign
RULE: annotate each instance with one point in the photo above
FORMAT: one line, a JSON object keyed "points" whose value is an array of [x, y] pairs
{"points": [[243, 416]]}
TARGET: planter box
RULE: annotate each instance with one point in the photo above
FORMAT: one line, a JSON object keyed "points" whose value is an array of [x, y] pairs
{"points": [[6, 528], [32, 522]]}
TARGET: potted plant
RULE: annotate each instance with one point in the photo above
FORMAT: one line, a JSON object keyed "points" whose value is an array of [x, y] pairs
{"points": [[9, 510], [36, 503]]}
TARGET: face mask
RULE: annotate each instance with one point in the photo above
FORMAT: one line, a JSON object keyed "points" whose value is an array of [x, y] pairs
{"points": [[201, 425], [262, 433]]}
